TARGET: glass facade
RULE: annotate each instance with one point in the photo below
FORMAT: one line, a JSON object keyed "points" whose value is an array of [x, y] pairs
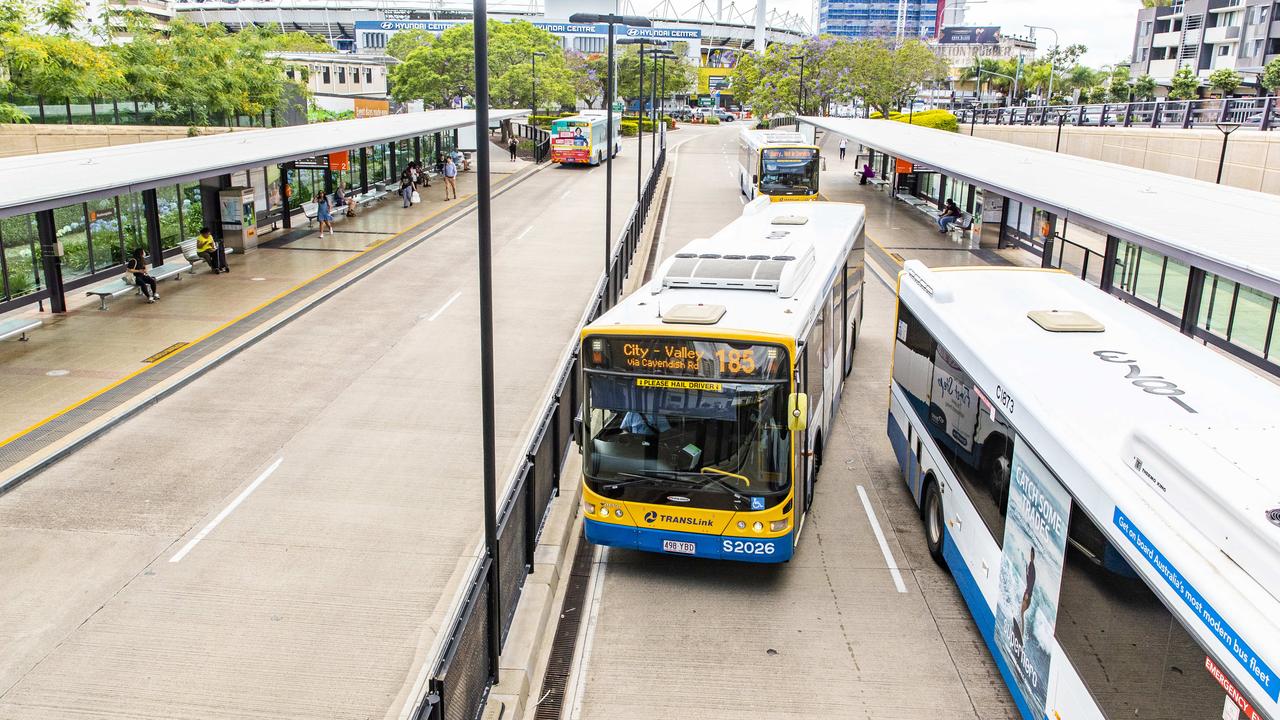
{"points": [[21, 259], [877, 18]]}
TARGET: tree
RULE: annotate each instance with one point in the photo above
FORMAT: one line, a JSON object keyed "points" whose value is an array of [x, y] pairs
{"points": [[296, 41], [62, 15], [885, 77], [1225, 81], [406, 41], [1144, 88], [583, 76], [1271, 76], [1118, 85], [1183, 85]]}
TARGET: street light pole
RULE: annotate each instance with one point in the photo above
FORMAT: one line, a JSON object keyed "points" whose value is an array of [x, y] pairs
{"points": [[1226, 128], [654, 115], [1052, 58], [533, 58], [484, 237], [611, 20]]}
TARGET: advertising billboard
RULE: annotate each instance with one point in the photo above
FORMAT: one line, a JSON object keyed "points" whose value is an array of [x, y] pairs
{"points": [[975, 35]]}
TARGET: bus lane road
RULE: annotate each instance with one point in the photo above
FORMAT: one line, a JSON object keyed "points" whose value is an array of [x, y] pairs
{"points": [[835, 632], [283, 537]]}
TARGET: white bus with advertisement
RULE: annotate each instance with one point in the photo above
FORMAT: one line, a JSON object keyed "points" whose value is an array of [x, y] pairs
{"points": [[580, 139], [1103, 490]]}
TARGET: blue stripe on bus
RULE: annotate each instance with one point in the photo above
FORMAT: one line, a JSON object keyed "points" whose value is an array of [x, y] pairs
{"points": [[705, 546], [983, 617], [1208, 616], [906, 459]]}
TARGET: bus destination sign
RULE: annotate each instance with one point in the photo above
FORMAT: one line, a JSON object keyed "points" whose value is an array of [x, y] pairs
{"points": [[687, 357]]}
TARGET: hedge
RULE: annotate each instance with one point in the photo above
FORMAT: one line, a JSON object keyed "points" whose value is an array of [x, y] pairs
{"points": [[938, 119], [629, 126]]}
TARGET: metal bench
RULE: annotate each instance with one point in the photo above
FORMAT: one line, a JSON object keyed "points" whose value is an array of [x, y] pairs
{"points": [[19, 327], [189, 252], [119, 287]]}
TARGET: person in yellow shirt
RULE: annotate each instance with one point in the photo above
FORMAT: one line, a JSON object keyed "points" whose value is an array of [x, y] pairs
{"points": [[207, 249]]}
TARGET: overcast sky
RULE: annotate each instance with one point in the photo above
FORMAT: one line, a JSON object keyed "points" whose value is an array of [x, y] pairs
{"points": [[1105, 26]]}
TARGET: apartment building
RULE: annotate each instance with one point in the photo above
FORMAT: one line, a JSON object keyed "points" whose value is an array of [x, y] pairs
{"points": [[1205, 35], [337, 80]]}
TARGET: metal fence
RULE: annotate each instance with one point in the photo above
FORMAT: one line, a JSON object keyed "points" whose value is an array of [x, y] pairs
{"points": [[459, 683], [1258, 113], [541, 140]]}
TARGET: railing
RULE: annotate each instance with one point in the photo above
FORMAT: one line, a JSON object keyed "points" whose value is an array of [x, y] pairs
{"points": [[460, 680], [1258, 113], [777, 122], [1085, 263], [541, 140]]}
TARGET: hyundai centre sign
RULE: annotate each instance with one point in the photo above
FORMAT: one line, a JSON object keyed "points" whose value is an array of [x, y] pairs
{"points": [[664, 33]]}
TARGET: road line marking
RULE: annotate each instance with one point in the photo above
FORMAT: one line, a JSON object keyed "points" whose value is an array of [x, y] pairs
{"points": [[566, 194], [225, 512], [884, 546], [522, 234], [445, 306], [597, 590]]}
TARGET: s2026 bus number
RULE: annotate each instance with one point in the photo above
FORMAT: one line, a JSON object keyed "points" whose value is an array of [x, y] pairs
{"points": [[747, 547]]}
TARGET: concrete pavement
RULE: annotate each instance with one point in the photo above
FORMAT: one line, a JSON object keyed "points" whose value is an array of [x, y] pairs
{"points": [[828, 634], [283, 537]]}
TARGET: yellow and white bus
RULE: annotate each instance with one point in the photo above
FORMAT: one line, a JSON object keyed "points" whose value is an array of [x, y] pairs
{"points": [[781, 164], [708, 393]]}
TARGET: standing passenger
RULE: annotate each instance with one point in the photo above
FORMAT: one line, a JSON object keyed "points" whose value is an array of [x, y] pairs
{"points": [[450, 175], [324, 212], [844, 145]]}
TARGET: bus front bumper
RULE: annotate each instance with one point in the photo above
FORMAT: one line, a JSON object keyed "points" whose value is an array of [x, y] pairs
{"points": [[668, 542]]}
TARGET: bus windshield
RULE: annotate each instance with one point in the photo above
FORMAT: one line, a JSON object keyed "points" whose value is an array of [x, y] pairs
{"points": [[687, 434], [789, 171]]}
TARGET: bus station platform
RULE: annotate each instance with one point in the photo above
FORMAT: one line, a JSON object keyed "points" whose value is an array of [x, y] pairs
{"points": [[83, 352], [285, 532], [1137, 234]]}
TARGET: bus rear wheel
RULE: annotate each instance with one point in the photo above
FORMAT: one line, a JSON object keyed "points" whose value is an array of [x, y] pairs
{"points": [[933, 521]]}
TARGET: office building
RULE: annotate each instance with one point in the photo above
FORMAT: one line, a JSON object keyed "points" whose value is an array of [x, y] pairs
{"points": [[878, 18]]}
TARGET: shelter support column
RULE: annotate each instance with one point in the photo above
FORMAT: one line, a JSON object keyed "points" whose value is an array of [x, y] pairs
{"points": [[286, 213], [51, 261], [1191, 304], [1109, 264], [151, 213], [364, 170], [209, 208]]}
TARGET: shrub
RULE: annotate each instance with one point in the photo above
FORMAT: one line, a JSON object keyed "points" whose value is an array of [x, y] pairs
{"points": [[938, 119], [711, 120], [630, 128], [544, 121]]}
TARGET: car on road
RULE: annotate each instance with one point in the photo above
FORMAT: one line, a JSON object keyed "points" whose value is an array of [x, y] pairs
{"points": [[724, 115], [682, 114]]}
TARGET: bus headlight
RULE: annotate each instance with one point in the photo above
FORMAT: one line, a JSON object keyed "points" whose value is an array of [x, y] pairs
{"points": [[778, 525], [742, 524], [758, 527], [591, 507], [604, 511], [618, 512]]}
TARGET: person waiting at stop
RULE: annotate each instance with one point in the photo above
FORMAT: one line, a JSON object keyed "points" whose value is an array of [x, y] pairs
{"points": [[950, 216]]}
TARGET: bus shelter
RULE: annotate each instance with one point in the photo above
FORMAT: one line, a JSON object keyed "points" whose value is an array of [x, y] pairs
{"points": [[1199, 255], [70, 219]]}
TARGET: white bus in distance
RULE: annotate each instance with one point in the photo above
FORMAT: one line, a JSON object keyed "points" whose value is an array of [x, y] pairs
{"points": [[782, 164], [1102, 488]]}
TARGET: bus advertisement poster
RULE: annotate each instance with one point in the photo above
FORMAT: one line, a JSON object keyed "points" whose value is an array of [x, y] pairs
{"points": [[1035, 540]]}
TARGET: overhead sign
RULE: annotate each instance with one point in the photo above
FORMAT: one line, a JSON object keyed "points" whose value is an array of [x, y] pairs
{"points": [[558, 28], [975, 35]]}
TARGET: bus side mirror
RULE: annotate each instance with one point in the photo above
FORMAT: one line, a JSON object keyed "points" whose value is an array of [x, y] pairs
{"points": [[797, 412], [577, 430], [755, 180]]}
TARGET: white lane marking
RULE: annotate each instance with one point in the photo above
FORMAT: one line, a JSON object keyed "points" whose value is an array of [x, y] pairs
{"points": [[524, 232], [225, 512], [884, 546], [566, 194], [597, 590], [445, 306], [742, 198]]}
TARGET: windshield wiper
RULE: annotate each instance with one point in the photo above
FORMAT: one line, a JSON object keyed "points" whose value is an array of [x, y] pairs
{"points": [[690, 479]]}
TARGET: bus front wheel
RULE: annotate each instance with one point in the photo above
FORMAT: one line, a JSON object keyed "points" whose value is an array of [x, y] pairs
{"points": [[933, 520]]}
